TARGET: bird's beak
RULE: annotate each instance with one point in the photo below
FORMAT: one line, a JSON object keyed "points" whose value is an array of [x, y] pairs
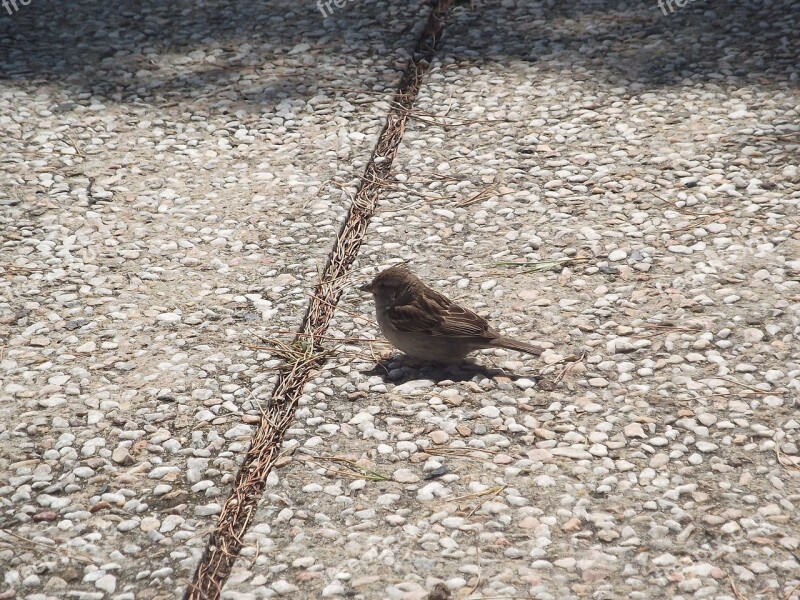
{"points": [[367, 287]]}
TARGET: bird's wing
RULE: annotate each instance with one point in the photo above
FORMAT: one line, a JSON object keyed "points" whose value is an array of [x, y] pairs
{"points": [[435, 314]]}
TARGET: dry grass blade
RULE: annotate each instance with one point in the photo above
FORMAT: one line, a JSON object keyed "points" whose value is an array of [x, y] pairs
{"points": [[790, 594], [657, 329], [342, 340], [8, 269], [460, 452], [484, 194], [492, 491], [567, 369], [479, 576], [356, 471], [427, 177], [669, 327], [702, 222], [543, 265], [44, 547], [754, 389], [75, 145], [290, 352], [790, 464], [735, 590]]}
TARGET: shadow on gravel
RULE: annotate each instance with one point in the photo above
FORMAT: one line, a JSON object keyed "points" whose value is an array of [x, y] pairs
{"points": [[242, 54], [402, 369], [650, 42], [166, 52]]}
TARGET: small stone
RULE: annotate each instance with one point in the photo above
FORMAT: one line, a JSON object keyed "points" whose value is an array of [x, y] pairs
{"points": [[333, 589], [571, 452], [121, 456], [658, 461], [55, 584], [707, 419], [47, 515], [463, 430], [168, 317], [170, 522], [524, 383], [623, 465], [706, 446], [664, 560], [617, 255], [549, 358], [730, 527], [490, 412], [568, 564], [439, 437], [107, 583], [405, 476], [413, 387], [574, 524], [753, 335], [161, 472], [598, 450], [634, 430], [86, 348], [283, 587], [149, 524], [453, 522], [774, 375], [625, 345]]}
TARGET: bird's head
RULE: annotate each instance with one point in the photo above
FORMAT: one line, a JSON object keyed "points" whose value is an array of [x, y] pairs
{"points": [[388, 284]]}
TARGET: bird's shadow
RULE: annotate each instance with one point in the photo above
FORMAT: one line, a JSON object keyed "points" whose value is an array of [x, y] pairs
{"points": [[401, 369]]}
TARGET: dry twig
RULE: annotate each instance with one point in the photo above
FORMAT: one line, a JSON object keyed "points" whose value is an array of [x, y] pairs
{"points": [[47, 548], [356, 470], [304, 354], [543, 265], [735, 590]]}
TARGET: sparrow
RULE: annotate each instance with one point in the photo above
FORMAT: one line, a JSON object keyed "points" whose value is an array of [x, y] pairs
{"points": [[426, 324]]}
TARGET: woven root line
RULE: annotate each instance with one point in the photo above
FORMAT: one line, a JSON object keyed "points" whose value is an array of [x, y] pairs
{"points": [[225, 541]]}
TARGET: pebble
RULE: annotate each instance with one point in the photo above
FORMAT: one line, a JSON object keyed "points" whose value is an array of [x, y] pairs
{"points": [[87, 348], [617, 255], [706, 447], [413, 387], [169, 317], [634, 430], [405, 476], [439, 437], [753, 335], [107, 583]]}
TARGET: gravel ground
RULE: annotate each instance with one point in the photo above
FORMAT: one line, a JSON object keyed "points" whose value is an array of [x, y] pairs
{"points": [[170, 204]]}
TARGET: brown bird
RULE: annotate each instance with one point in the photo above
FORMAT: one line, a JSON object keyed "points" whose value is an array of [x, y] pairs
{"points": [[425, 324]]}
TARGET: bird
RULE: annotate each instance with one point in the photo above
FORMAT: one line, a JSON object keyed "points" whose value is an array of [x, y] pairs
{"points": [[427, 325]]}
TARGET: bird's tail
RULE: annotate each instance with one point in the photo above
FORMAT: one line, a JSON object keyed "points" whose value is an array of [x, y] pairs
{"points": [[512, 344]]}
